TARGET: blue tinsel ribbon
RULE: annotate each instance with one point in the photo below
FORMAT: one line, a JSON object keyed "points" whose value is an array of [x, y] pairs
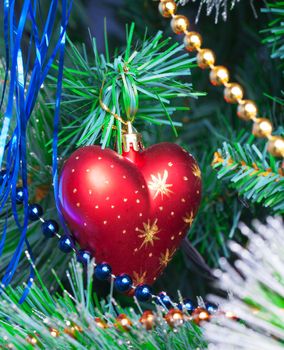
{"points": [[22, 95]]}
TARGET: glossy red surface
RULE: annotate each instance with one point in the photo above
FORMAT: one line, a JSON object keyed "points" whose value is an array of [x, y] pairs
{"points": [[134, 213]]}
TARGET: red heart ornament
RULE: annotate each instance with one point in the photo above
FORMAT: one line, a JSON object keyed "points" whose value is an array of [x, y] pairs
{"points": [[131, 211]]}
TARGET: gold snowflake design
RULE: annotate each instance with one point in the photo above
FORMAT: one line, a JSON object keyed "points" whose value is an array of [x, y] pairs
{"points": [[149, 233], [196, 171], [166, 257], [139, 278], [159, 185], [188, 218]]}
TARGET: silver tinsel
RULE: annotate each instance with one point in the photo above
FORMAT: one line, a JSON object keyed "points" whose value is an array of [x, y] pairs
{"points": [[255, 285], [221, 7]]}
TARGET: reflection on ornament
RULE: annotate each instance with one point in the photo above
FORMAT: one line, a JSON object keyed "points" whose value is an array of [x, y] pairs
{"points": [[159, 185]]}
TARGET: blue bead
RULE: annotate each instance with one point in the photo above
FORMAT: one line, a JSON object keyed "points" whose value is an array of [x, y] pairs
{"points": [[187, 305], [211, 307], [35, 212], [19, 195], [103, 271], [164, 300], [123, 283], [66, 244], [3, 174], [143, 292], [50, 228], [84, 257]]}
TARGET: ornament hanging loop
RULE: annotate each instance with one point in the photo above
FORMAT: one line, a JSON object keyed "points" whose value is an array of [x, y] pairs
{"points": [[106, 109], [132, 139]]}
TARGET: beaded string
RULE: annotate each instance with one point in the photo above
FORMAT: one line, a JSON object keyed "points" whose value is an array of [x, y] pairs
{"points": [[103, 271], [219, 76]]}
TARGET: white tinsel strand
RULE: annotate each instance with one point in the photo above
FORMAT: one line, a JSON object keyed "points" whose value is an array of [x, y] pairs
{"points": [[221, 7], [257, 278]]}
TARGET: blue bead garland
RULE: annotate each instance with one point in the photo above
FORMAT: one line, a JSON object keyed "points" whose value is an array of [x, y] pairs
{"points": [[123, 283], [19, 195], [143, 292], [66, 244], [50, 228], [187, 305], [35, 212], [84, 257], [3, 174], [164, 300], [211, 307], [103, 271]]}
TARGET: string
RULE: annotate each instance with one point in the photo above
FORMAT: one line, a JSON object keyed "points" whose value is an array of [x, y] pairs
{"points": [[20, 104], [108, 110]]}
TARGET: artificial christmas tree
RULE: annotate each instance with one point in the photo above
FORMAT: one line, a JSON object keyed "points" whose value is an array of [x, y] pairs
{"points": [[53, 106]]}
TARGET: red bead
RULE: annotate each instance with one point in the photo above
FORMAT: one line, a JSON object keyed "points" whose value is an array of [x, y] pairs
{"points": [[131, 210]]}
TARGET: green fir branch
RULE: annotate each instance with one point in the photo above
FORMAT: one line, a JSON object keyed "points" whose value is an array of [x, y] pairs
{"points": [[275, 31], [142, 83], [67, 320], [44, 250], [256, 176]]}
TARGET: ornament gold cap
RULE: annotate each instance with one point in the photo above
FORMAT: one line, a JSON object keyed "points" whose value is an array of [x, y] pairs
{"points": [[132, 139]]}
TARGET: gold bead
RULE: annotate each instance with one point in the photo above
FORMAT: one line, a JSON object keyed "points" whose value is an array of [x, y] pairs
{"points": [[276, 146], [205, 58], [247, 110], [174, 318], [262, 127], [147, 320], [167, 8], [100, 323], [123, 322], [192, 41], [72, 329], [31, 340], [200, 315], [233, 93], [54, 332], [231, 315], [219, 75], [179, 24]]}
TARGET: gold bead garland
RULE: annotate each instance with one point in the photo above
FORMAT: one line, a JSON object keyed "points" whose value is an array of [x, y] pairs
{"points": [[174, 317], [219, 76], [167, 8], [192, 41]]}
